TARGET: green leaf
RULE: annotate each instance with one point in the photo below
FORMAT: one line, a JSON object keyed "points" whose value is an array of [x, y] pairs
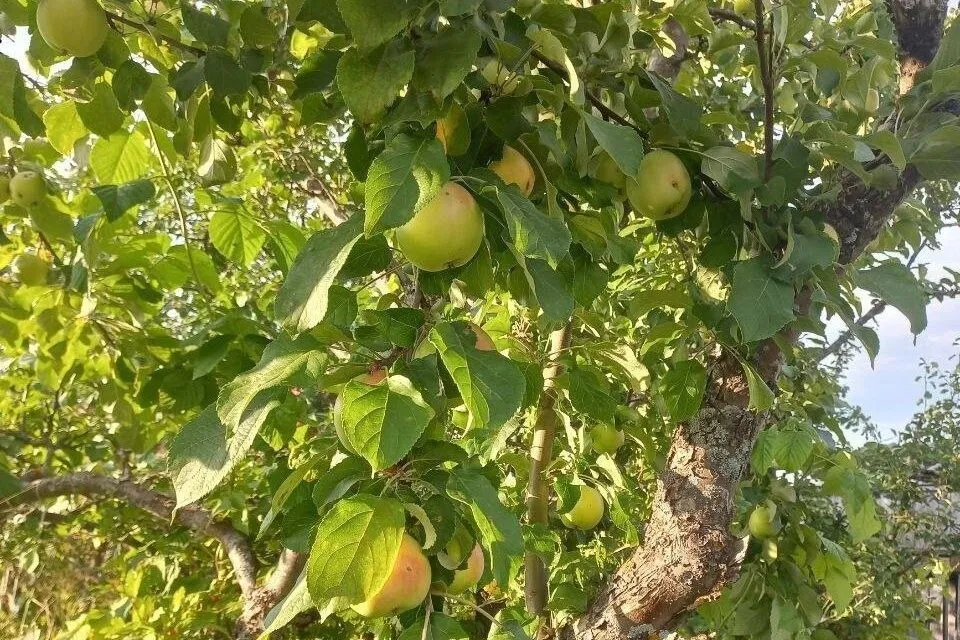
{"points": [[205, 27], [491, 385], [123, 157], [792, 448], [224, 75], [682, 389], [761, 304], [888, 143], [205, 451], [282, 359], [158, 104], [764, 451], [810, 248], [441, 627], [118, 199], [622, 143], [373, 22], [355, 549], [682, 112], [937, 155], [293, 604], [64, 126], [534, 233], [862, 519], [303, 298], [382, 422], [237, 235], [444, 60], [130, 83], [369, 83], [207, 357], [405, 177], [218, 163], [551, 290], [731, 168], [590, 394], [498, 526], [895, 284]]}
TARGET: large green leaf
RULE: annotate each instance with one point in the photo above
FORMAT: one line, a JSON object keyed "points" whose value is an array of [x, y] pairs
{"points": [[622, 143], [534, 233], [498, 526], [682, 112], [444, 59], [406, 176], [439, 627], [64, 126], [373, 22], [552, 291], [761, 304], [894, 283], [304, 297], [682, 389], [101, 114], [355, 548], [237, 235], [205, 27], [205, 451], [937, 155], [117, 199], [382, 422], [123, 157], [371, 82], [733, 169], [491, 385]]}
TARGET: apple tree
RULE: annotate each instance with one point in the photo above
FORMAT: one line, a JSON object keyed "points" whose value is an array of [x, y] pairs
{"points": [[455, 318]]}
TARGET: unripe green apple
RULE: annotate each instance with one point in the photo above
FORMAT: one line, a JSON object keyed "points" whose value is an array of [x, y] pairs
{"points": [[771, 551], [27, 189], [500, 76], [467, 577], [661, 189], [445, 233], [607, 170], [372, 378], [588, 511], [606, 439], [514, 168], [4, 189], [405, 588], [761, 523], [78, 27], [31, 270]]}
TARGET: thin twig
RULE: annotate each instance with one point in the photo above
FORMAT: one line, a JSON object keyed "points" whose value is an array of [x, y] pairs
{"points": [[173, 42], [766, 79]]}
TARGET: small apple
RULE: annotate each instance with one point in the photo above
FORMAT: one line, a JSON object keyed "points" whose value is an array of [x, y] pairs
{"points": [[661, 189], [607, 170], [500, 76], [405, 588], [606, 439], [467, 577], [31, 269], [27, 189], [78, 27], [771, 550], [445, 233], [4, 189], [761, 522], [588, 511], [514, 168], [372, 378]]}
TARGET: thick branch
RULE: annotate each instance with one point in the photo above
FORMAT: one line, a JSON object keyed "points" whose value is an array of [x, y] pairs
{"points": [[541, 454], [156, 504], [278, 585]]}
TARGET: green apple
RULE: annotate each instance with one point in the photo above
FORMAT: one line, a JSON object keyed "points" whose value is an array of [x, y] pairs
{"points": [[661, 189], [27, 189], [78, 27], [470, 575], [514, 168], [588, 511], [872, 102], [607, 170], [373, 378], [406, 587], [762, 521], [500, 76], [31, 270], [445, 233], [606, 439], [771, 551]]}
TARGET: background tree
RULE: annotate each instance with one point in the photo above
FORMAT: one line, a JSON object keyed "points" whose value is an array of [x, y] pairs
{"points": [[366, 284]]}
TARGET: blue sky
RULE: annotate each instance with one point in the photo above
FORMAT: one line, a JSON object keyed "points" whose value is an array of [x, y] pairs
{"points": [[889, 391]]}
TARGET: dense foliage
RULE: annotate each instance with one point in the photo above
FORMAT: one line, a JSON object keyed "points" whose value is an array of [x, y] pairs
{"points": [[207, 290]]}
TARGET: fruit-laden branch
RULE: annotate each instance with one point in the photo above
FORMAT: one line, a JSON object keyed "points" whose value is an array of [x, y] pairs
{"points": [[156, 504], [688, 554]]}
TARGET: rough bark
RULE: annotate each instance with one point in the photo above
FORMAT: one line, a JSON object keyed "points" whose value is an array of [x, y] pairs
{"points": [[201, 521], [688, 555], [281, 581]]}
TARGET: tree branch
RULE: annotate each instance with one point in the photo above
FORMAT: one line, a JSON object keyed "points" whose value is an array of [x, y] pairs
{"points": [[541, 454], [198, 520], [173, 42], [278, 585]]}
